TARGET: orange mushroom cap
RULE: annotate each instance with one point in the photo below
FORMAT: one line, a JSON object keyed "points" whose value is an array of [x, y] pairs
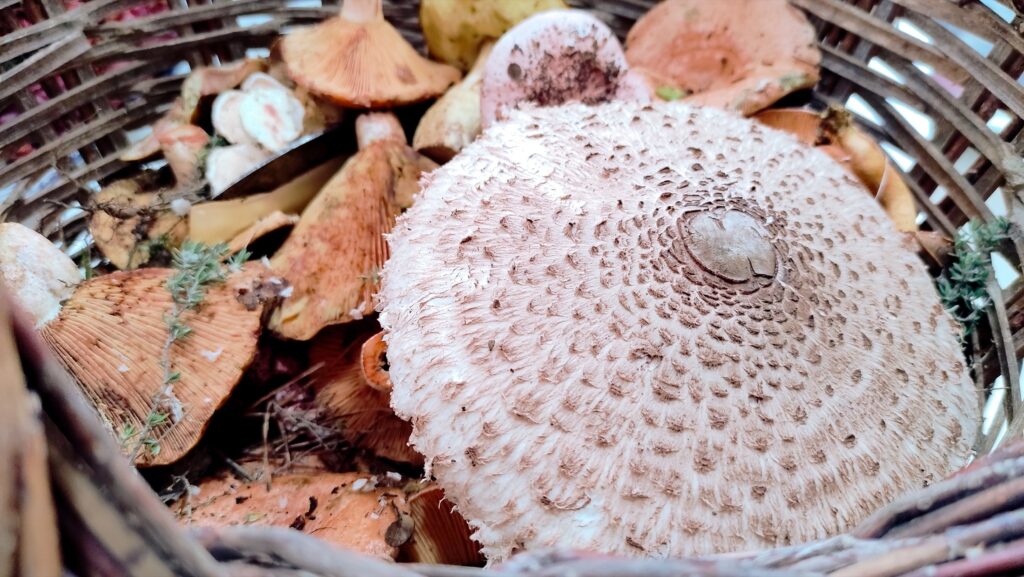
{"points": [[344, 509], [737, 54], [333, 256], [360, 60], [111, 335]]}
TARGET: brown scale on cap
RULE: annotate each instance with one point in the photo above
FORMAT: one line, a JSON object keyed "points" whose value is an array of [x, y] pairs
{"points": [[664, 330]]}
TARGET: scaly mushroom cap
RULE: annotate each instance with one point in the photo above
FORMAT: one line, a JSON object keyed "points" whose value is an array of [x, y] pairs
{"points": [[344, 509], [359, 60], [111, 335], [737, 54], [38, 274], [333, 257], [552, 58], [362, 413], [665, 330]]}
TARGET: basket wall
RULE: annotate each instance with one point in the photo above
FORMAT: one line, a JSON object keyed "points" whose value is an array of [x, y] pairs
{"points": [[76, 77]]}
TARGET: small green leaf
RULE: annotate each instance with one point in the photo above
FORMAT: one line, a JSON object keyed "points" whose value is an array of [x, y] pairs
{"points": [[671, 93]]}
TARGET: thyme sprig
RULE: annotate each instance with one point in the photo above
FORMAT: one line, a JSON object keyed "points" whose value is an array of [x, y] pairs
{"points": [[197, 267], [964, 286]]}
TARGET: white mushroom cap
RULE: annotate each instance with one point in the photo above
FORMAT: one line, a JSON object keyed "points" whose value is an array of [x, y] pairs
{"points": [[552, 58], [665, 330], [39, 275]]}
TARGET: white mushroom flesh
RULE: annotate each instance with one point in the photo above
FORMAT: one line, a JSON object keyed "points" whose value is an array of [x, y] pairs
{"points": [[225, 165], [272, 117], [38, 275]]}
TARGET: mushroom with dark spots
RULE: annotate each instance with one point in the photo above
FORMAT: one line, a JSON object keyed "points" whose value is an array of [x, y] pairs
{"points": [[695, 311], [552, 58]]}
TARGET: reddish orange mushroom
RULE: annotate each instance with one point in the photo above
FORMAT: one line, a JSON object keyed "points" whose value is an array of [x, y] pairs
{"points": [[723, 54]]}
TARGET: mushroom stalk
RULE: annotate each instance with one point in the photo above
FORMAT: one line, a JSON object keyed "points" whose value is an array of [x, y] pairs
{"points": [[375, 126], [362, 11]]}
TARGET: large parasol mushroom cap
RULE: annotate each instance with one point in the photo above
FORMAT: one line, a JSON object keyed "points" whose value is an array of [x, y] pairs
{"points": [[38, 275], [361, 412], [359, 60], [345, 509], [552, 58], [111, 335], [333, 257], [665, 330], [741, 55]]}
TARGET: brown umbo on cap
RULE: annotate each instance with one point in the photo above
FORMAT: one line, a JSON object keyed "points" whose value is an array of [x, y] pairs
{"points": [[665, 330]]}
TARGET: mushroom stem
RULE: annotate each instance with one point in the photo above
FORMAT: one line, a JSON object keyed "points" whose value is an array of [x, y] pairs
{"points": [[374, 126], [362, 11], [374, 363]]}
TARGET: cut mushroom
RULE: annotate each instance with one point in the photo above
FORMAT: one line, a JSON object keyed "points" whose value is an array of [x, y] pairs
{"points": [[360, 412], [335, 253], [225, 165], [604, 309], [262, 81], [440, 536], [457, 30], [182, 147], [552, 58], [834, 133], [343, 509], [740, 55], [227, 117], [130, 226], [37, 274], [222, 220], [272, 117], [454, 120], [359, 60], [111, 335]]}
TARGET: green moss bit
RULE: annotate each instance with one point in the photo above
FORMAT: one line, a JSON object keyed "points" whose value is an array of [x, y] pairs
{"points": [[963, 287], [196, 268]]}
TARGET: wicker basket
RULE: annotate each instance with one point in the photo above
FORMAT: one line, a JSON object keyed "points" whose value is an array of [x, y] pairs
{"points": [[939, 82]]}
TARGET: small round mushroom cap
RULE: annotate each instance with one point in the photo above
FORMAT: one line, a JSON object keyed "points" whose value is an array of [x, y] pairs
{"points": [[38, 274], [552, 58], [359, 60], [665, 330], [741, 55]]}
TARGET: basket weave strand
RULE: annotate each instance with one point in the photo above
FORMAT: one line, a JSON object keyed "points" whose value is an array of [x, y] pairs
{"points": [[76, 77]]}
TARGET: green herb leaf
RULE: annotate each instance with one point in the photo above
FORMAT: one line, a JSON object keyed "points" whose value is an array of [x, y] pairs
{"points": [[671, 93]]}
